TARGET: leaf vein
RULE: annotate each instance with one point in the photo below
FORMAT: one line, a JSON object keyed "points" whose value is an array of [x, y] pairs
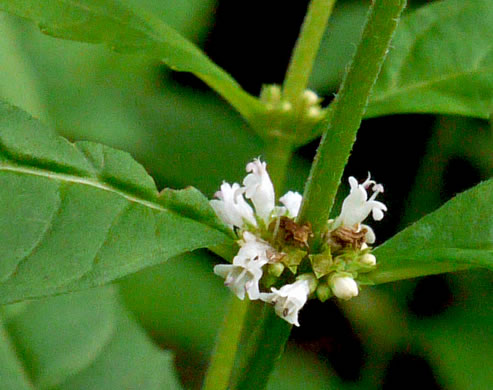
{"points": [[429, 82], [398, 74], [42, 237], [80, 180], [106, 238]]}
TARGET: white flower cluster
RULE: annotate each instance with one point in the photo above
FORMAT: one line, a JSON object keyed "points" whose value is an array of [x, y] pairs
{"points": [[248, 267], [233, 209], [243, 276]]}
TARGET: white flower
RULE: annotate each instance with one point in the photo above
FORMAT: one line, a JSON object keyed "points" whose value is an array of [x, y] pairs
{"points": [[244, 274], [343, 287], [288, 300], [259, 188], [292, 201], [231, 207], [356, 207]]}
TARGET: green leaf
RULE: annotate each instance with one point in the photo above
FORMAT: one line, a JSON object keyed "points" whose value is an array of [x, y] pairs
{"points": [[78, 215], [84, 340], [128, 29], [457, 236], [170, 129], [441, 62], [457, 342], [157, 309]]}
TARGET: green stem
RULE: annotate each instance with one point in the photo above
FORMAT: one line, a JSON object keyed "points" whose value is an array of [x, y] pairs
{"points": [[278, 153], [224, 355], [267, 342], [347, 112], [306, 49]]}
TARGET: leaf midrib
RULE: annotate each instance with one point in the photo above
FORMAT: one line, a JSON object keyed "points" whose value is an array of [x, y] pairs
{"points": [[427, 83], [64, 177]]}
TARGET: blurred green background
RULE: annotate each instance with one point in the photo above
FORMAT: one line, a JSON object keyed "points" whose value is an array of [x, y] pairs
{"points": [[433, 332]]}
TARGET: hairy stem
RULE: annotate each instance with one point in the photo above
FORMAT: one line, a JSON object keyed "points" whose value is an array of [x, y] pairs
{"points": [[346, 114], [306, 49]]}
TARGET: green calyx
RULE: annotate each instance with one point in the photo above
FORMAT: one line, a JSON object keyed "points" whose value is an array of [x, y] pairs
{"points": [[291, 251]]}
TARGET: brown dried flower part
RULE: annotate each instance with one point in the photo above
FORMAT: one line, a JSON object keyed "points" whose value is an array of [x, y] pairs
{"points": [[294, 233], [344, 237], [274, 256]]}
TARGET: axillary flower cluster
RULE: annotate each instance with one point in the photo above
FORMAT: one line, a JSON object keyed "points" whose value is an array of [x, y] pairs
{"points": [[274, 249]]}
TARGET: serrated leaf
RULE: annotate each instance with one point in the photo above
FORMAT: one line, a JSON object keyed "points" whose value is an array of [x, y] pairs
{"points": [[78, 215], [128, 29], [441, 61], [84, 340], [457, 236]]}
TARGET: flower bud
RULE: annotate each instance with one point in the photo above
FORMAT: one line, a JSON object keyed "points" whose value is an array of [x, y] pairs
{"points": [[275, 269], [271, 94], [344, 287], [314, 112], [310, 97], [286, 106], [368, 259]]}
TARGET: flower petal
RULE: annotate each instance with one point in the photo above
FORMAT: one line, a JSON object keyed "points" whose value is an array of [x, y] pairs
{"points": [[231, 207], [259, 188], [292, 201], [289, 300]]}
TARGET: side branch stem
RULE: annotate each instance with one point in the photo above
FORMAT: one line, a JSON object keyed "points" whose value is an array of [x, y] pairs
{"points": [[278, 152], [306, 49], [346, 114]]}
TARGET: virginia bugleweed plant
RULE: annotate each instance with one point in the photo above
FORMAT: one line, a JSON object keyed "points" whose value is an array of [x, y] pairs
{"points": [[258, 251]]}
